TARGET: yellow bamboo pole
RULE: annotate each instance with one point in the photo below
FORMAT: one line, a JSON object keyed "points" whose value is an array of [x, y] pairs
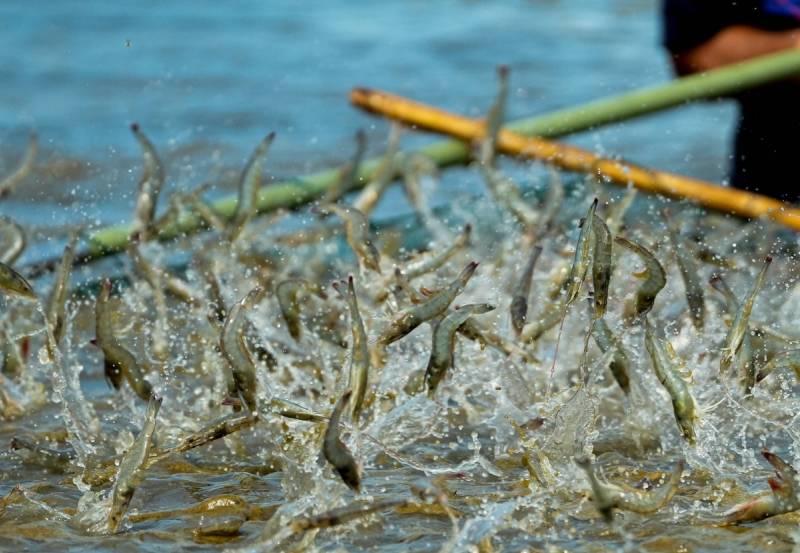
{"points": [[730, 200]]}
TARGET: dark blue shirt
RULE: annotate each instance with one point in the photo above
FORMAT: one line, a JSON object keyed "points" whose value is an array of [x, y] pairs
{"points": [[766, 146], [689, 23]]}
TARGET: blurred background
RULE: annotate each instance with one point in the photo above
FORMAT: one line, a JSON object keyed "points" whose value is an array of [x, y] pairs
{"points": [[207, 79]]}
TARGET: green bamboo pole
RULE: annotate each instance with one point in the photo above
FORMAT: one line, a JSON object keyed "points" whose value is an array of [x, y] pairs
{"points": [[719, 82], [712, 84]]}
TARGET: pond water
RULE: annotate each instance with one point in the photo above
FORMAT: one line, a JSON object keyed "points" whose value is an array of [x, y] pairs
{"points": [[486, 460], [206, 80]]}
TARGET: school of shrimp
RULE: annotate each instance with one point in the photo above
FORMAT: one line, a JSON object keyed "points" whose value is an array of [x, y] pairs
{"points": [[552, 371]]}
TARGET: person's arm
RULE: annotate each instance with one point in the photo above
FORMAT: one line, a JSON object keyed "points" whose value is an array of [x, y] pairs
{"points": [[734, 44]]}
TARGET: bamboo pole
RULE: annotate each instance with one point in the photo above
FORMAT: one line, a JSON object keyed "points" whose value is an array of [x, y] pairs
{"points": [[739, 202], [711, 84], [289, 194]]}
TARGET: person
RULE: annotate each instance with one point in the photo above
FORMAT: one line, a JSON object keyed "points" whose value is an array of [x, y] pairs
{"points": [[706, 34]]}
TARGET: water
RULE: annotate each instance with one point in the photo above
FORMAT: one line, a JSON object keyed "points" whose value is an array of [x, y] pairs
{"points": [[207, 80], [493, 441], [206, 83]]}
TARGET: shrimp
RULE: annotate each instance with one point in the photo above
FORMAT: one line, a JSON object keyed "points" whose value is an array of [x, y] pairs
{"points": [[53, 459], [695, 297], [356, 226], [790, 358], [572, 286], [549, 318], [735, 336], [653, 284], [785, 496], [13, 353], [619, 365], [159, 340], [495, 118], [747, 361], [476, 332], [551, 204], [287, 292], [10, 183], [16, 240], [350, 174], [216, 303], [118, 362], [664, 363], [234, 348], [214, 431], [343, 515], [11, 282], [131, 468], [519, 301], [436, 260], [582, 259], [506, 193], [56, 305], [444, 337], [292, 410], [359, 358], [105, 338], [618, 209], [403, 286], [170, 223], [601, 265], [415, 168], [608, 497], [383, 174], [503, 189], [249, 187], [336, 452], [149, 187], [408, 320]]}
